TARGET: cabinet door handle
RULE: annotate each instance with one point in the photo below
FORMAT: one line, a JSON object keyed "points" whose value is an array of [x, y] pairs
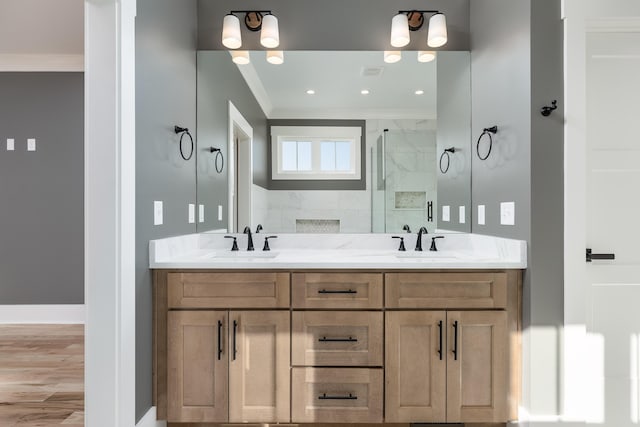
{"points": [[324, 396], [346, 291], [219, 339], [350, 339], [591, 256], [440, 331], [235, 331], [455, 340]]}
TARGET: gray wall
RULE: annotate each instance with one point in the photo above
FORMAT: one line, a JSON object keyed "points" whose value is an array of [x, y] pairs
{"points": [[327, 184], [453, 130], [42, 192], [333, 24], [220, 81], [165, 96]]}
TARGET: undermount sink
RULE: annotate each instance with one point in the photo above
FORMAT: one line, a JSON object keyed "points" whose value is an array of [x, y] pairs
{"points": [[428, 256], [245, 254]]}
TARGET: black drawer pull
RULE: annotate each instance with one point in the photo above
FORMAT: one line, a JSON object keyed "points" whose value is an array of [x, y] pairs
{"points": [[235, 346], [219, 339], [347, 291], [350, 339], [455, 340], [591, 256], [440, 348], [324, 396]]}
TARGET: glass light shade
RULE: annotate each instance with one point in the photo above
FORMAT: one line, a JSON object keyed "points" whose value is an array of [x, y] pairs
{"points": [[275, 57], [437, 31], [426, 55], [269, 35], [400, 30], [240, 57], [391, 56], [231, 37]]}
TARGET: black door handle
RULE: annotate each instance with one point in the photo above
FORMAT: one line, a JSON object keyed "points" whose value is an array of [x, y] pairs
{"points": [[591, 256], [324, 396], [350, 339], [235, 347], [440, 348], [347, 291], [455, 340], [219, 339]]}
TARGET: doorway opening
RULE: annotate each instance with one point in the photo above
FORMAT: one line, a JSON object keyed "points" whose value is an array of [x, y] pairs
{"points": [[240, 171]]}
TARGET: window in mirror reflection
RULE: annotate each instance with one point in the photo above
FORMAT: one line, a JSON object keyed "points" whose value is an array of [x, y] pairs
{"points": [[335, 156], [296, 156]]}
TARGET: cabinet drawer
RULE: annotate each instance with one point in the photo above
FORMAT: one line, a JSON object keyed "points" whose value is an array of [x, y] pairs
{"points": [[330, 338], [228, 290], [336, 290], [446, 290], [336, 395]]}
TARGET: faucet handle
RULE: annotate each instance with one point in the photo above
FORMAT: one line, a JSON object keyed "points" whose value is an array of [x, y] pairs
{"points": [[258, 228], [246, 230], [433, 247], [234, 247], [266, 242], [406, 228], [401, 248]]}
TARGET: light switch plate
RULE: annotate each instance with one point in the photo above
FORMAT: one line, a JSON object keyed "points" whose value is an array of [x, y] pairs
{"points": [[446, 213], [31, 144], [219, 212], [508, 213], [11, 144], [200, 213], [192, 213], [157, 212], [462, 214], [481, 215]]}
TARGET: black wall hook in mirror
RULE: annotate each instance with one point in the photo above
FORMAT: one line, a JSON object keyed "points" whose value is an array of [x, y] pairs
{"points": [[445, 154], [546, 110], [219, 157], [183, 132], [488, 132]]}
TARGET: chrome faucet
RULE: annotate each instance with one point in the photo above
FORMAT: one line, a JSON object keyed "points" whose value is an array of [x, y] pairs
{"points": [[247, 230], [419, 241]]}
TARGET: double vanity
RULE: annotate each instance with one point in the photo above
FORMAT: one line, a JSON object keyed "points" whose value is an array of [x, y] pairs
{"points": [[337, 329]]}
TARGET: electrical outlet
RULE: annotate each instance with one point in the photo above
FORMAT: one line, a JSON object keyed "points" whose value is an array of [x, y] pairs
{"points": [[481, 215], [192, 213], [11, 144], [200, 213], [446, 213], [219, 212], [508, 213], [157, 212], [31, 144], [462, 214]]}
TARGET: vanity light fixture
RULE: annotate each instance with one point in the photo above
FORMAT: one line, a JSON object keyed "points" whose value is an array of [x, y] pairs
{"points": [[392, 56], [426, 55], [240, 57], [255, 20], [412, 20], [275, 57]]}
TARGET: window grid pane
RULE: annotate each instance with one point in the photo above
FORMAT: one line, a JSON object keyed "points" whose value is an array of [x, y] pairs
{"points": [[327, 156], [304, 156]]}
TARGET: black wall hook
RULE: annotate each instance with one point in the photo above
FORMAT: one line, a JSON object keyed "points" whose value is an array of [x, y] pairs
{"points": [[546, 110]]}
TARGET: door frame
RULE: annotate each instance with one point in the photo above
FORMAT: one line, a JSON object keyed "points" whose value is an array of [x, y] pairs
{"points": [[237, 122], [581, 17]]}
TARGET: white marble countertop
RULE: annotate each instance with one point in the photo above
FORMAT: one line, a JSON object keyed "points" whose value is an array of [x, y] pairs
{"points": [[337, 251]]}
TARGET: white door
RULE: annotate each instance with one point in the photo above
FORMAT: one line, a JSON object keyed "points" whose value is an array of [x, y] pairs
{"points": [[602, 213]]}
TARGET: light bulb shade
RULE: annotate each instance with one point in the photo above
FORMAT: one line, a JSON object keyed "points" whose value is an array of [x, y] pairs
{"points": [[437, 31], [275, 57], [240, 57], [426, 55], [400, 30], [269, 35], [231, 37], [391, 56]]}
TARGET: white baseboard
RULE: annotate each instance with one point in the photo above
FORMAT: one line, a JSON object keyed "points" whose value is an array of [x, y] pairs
{"points": [[42, 313], [41, 62], [149, 419]]}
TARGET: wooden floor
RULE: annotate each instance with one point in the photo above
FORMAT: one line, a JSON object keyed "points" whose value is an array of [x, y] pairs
{"points": [[41, 375]]}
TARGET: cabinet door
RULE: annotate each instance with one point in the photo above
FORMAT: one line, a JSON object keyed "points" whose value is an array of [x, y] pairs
{"points": [[477, 366], [197, 366], [259, 365], [415, 365]]}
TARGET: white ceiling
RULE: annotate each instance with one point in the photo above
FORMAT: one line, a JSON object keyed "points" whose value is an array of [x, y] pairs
{"points": [[41, 27], [337, 78]]}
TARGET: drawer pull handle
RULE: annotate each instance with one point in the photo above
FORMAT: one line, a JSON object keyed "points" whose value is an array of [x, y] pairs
{"points": [[219, 339], [235, 331], [324, 396], [455, 340], [347, 291], [350, 339], [440, 348]]}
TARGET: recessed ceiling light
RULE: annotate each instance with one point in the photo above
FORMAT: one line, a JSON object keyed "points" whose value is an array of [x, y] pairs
{"points": [[311, 92], [364, 92], [419, 92]]}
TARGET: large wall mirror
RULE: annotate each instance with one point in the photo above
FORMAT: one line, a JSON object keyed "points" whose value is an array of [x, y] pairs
{"points": [[334, 141]]}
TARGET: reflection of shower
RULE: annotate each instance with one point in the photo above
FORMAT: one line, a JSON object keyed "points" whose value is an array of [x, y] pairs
{"points": [[405, 180]]}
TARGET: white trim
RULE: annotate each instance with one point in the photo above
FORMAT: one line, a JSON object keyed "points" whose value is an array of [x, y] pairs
{"points": [[45, 313], [110, 213], [41, 62], [149, 419], [256, 86], [351, 114], [245, 168]]}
